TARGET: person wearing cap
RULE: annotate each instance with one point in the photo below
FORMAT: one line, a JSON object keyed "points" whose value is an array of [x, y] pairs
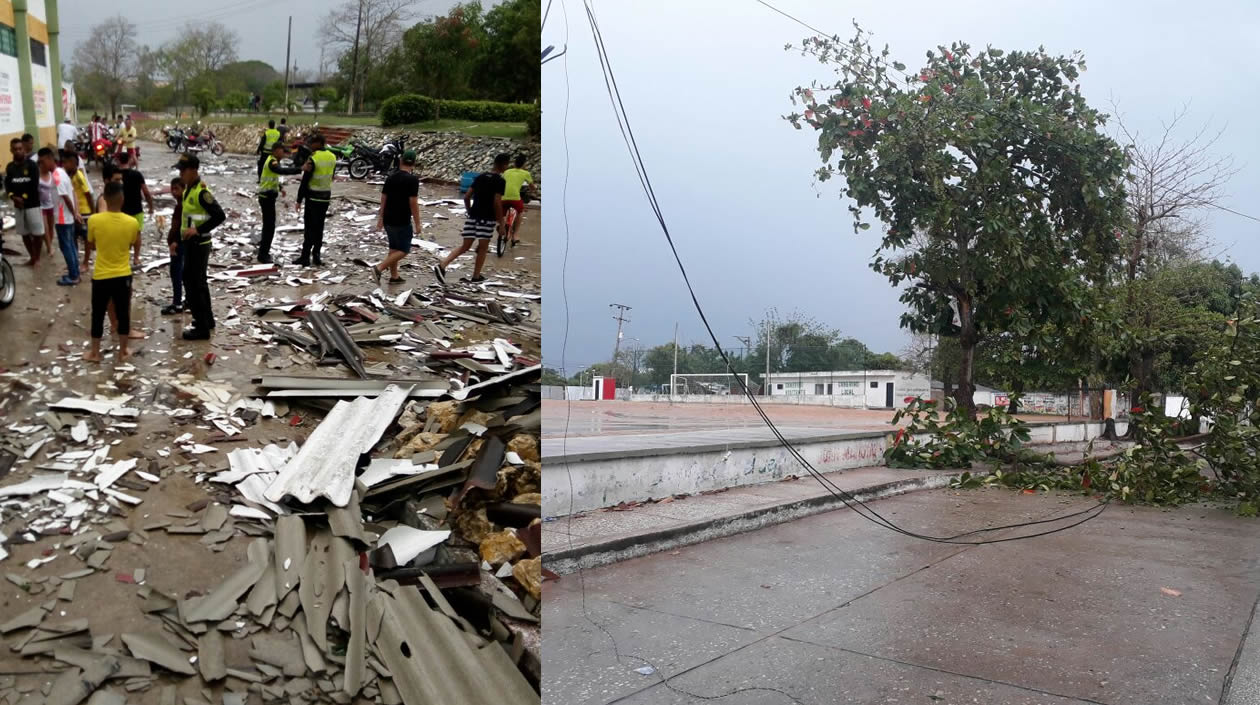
{"points": [[268, 193], [399, 216], [200, 214], [266, 141], [316, 189]]}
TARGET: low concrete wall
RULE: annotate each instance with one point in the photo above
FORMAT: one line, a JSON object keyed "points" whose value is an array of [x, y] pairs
{"points": [[607, 479], [849, 401]]}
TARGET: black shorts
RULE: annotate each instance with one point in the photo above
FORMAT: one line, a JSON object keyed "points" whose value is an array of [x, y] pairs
{"points": [[399, 237]]}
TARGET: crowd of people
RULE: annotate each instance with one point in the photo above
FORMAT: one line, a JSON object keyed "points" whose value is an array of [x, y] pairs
{"points": [[52, 195]]}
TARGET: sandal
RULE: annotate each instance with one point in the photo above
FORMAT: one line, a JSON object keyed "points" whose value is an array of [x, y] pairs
{"points": [[396, 280]]}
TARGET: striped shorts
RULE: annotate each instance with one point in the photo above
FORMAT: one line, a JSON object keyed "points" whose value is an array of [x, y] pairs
{"points": [[477, 229]]}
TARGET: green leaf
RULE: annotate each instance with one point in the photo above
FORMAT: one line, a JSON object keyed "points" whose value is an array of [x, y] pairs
{"points": [[865, 226], [899, 66]]}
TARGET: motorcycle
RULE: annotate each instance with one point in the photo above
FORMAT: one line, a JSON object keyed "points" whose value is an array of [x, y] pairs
{"points": [[343, 153], [199, 142], [384, 161], [174, 137], [8, 285]]}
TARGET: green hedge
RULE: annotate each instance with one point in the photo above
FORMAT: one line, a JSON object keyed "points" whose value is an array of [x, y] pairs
{"points": [[409, 108], [486, 111], [534, 124]]}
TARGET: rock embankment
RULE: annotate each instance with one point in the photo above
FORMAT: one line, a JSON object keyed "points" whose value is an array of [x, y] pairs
{"points": [[442, 155]]}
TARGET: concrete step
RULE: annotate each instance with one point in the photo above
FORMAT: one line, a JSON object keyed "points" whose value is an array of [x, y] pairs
{"points": [[336, 135]]}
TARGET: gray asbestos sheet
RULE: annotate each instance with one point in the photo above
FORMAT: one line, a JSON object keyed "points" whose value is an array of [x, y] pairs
{"points": [[324, 467]]}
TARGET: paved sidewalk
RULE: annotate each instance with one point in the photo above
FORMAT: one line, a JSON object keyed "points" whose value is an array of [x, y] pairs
{"points": [[605, 536], [1137, 607]]}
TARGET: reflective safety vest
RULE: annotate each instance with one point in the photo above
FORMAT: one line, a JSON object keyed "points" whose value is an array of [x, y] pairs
{"points": [[194, 214], [270, 137], [322, 178], [268, 181]]}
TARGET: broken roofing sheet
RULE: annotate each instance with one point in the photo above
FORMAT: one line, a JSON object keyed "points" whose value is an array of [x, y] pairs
{"points": [[324, 467]]}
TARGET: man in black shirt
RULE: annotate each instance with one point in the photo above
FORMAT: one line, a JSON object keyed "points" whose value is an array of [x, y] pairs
{"points": [[484, 202], [400, 211], [21, 180], [134, 189], [200, 213]]}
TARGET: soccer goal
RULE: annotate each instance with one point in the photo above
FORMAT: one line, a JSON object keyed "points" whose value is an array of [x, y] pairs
{"points": [[716, 383]]}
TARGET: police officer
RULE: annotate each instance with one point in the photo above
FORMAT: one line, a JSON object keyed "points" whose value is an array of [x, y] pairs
{"points": [[316, 189], [268, 192], [201, 214], [269, 138]]}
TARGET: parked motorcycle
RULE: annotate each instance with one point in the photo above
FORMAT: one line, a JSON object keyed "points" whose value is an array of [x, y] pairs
{"points": [[344, 154], [201, 141], [383, 161], [174, 137], [8, 285]]}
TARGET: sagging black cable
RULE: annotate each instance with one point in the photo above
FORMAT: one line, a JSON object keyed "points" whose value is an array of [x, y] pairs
{"points": [[847, 498]]}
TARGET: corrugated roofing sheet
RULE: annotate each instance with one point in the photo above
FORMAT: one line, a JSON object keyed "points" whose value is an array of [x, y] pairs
{"points": [[324, 467]]}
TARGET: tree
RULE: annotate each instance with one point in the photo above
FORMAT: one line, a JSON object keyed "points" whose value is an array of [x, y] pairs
{"points": [[236, 100], [145, 90], [379, 25], [508, 70], [249, 76], [1170, 181], [443, 53], [208, 46], [551, 377], [106, 60], [994, 160]]}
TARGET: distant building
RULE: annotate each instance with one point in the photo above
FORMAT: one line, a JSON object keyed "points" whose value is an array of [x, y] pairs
{"points": [[876, 389], [32, 96], [872, 388]]}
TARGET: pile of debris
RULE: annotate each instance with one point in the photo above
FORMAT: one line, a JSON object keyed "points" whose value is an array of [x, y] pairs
{"points": [[418, 581], [444, 156]]}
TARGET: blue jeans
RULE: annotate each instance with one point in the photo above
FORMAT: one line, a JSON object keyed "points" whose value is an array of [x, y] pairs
{"points": [[69, 249], [177, 273]]}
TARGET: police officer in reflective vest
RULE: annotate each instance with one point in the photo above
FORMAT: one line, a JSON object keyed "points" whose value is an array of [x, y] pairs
{"points": [[268, 192], [316, 189], [201, 214], [270, 137]]}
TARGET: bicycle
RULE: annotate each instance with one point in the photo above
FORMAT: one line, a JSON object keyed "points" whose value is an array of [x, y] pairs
{"points": [[503, 237]]}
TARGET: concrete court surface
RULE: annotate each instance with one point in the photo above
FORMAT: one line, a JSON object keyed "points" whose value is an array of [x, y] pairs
{"points": [[594, 426], [833, 609]]}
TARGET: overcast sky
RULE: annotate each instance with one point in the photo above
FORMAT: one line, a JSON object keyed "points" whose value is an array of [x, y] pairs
{"points": [[261, 24], [705, 84]]}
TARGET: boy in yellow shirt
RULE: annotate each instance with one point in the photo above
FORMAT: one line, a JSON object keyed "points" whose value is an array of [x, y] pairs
{"points": [[82, 191], [514, 179], [112, 234]]}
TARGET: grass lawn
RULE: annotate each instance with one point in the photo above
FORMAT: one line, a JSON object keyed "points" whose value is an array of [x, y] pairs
{"points": [[513, 130]]}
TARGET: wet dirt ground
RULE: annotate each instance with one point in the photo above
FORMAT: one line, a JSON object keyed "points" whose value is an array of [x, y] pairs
{"points": [[43, 335]]}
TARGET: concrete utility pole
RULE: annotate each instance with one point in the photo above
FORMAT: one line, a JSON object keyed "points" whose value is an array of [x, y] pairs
{"points": [[671, 379], [767, 358], [620, 318], [354, 62], [287, 46]]}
